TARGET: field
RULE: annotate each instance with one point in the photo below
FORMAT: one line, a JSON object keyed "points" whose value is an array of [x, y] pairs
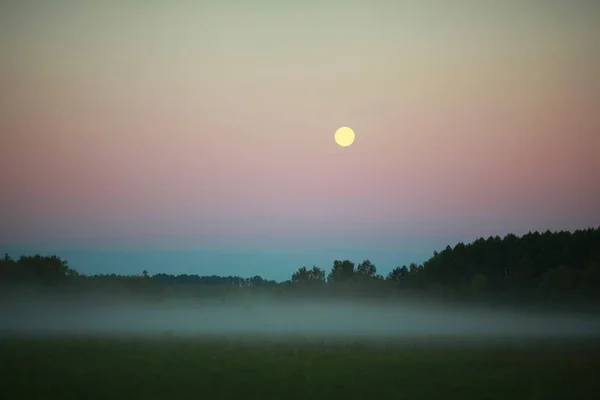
{"points": [[88, 367]]}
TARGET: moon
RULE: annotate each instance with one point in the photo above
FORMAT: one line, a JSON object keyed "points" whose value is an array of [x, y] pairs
{"points": [[344, 136]]}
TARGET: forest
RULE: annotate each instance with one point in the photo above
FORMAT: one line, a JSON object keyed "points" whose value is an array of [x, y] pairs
{"points": [[550, 267]]}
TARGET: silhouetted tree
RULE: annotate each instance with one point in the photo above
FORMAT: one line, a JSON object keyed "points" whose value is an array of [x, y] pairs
{"points": [[366, 269], [342, 271], [559, 266], [302, 275], [40, 269], [309, 276], [398, 274]]}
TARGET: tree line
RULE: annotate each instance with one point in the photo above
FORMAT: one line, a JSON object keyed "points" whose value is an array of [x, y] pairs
{"points": [[554, 266]]}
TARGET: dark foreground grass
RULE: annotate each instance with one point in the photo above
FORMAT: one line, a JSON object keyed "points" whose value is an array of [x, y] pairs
{"points": [[186, 368]]}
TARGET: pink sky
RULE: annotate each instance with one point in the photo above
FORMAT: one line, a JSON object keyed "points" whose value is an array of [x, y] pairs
{"points": [[178, 126]]}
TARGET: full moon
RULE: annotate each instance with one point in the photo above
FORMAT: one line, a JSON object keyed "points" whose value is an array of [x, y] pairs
{"points": [[344, 136]]}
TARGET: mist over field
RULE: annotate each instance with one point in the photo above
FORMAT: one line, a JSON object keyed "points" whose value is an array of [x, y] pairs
{"points": [[275, 318]]}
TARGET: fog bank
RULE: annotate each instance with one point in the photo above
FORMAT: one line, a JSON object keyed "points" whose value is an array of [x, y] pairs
{"points": [[306, 318]]}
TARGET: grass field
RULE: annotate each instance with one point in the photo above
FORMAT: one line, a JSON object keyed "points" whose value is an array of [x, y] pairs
{"points": [[203, 368]]}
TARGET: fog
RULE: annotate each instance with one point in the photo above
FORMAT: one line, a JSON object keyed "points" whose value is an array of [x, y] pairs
{"points": [[275, 318]]}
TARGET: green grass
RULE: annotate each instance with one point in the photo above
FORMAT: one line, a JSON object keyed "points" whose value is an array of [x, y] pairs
{"points": [[146, 368]]}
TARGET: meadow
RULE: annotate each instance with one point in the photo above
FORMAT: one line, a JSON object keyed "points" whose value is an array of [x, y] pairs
{"points": [[512, 318], [235, 367]]}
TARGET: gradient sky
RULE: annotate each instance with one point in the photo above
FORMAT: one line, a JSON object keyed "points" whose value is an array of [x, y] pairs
{"points": [[197, 137]]}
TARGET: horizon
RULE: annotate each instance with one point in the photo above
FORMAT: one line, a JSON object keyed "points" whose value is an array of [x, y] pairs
{"points": [[154, 267], [135, 135]]}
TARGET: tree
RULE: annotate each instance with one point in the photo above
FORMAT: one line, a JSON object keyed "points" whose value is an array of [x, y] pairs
{"points": [[563, 266], [398, 274], [366, 269], [590, 280], [305, 276], [413, 268], [259, 281], [479, 284], [8, 272], [43, 269], [302, 275], [317, 274], [557, 282], [342, 271]]}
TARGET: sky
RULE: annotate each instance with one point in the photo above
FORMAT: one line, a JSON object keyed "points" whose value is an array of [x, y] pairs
{"points": [[197, 137]]}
